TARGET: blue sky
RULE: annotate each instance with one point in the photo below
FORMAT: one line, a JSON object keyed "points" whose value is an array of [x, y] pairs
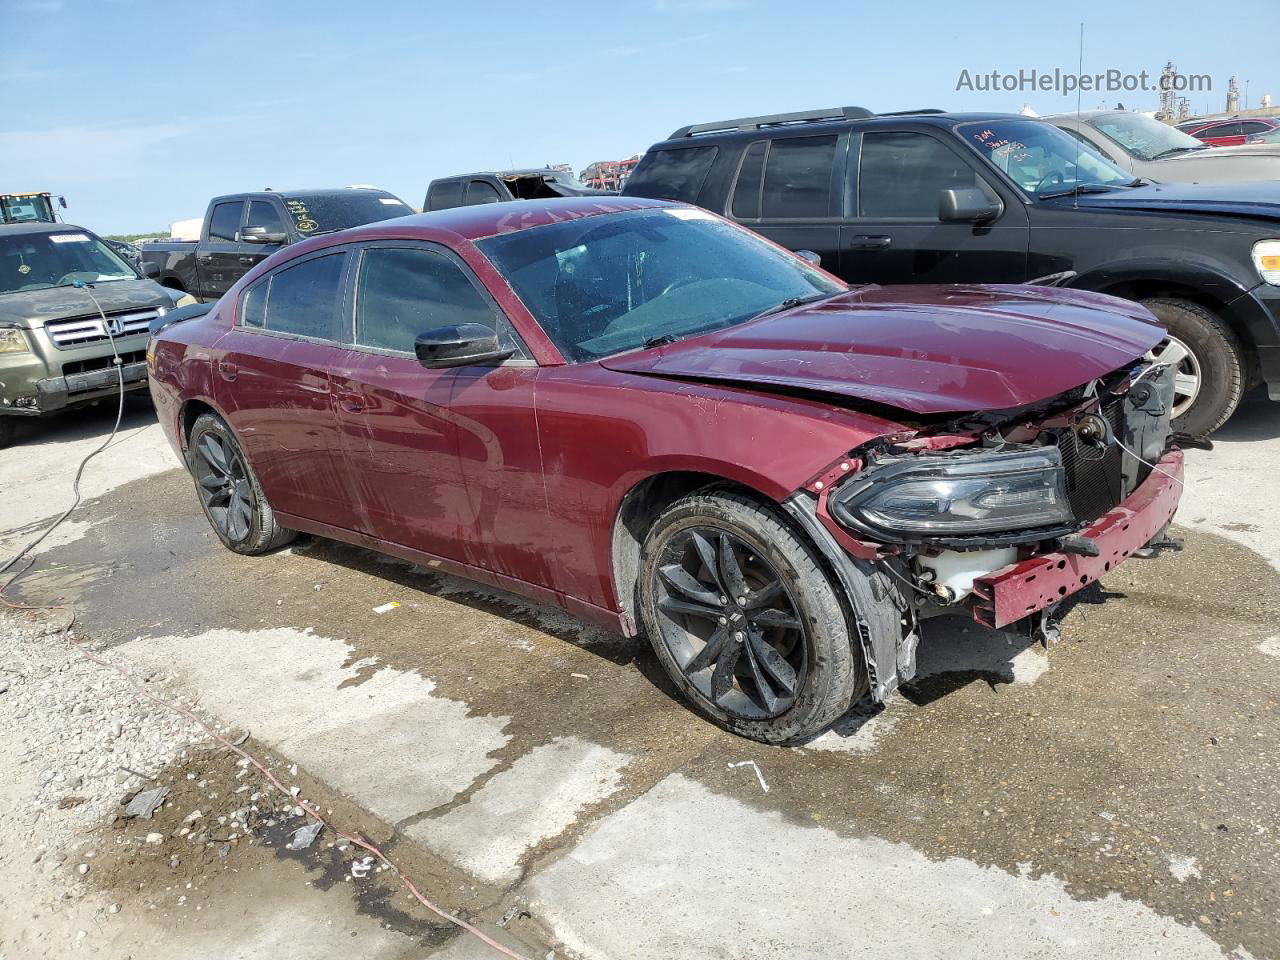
{"points": [[139, 112]]}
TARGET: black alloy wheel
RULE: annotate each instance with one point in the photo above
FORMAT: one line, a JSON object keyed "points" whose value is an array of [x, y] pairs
{"points": [[224, 487], [731, 624]]}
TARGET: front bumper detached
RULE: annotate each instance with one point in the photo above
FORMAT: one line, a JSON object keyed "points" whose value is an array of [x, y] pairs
{"points": [[54, 393], [1027, 587]]}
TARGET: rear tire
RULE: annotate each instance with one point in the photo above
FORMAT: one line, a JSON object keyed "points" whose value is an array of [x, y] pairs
{"points": [[793, 667], [1216, 362], [229, 491]]}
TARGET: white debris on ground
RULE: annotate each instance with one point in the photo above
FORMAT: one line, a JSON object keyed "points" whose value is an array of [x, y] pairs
{"points": [[1184, 868], [1271, 646], [71, 729]]}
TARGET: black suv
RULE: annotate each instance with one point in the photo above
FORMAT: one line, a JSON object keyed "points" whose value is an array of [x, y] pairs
{"points": [[933, 197]]}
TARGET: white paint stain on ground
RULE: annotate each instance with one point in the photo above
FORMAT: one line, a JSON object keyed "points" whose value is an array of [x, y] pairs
{"points": [[1029, 665], [1271, 646], [683, 873], [538, 798], [387, 742], [861, 730], [1184, 868]]}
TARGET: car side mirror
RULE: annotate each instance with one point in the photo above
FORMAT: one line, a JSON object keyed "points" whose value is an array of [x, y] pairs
{"points": [[808, 256], [967, 205], [261, 235], [460, 346]]}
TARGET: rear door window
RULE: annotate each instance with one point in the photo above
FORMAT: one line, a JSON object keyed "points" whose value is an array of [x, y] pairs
{"points": [[441, 196], [1253, 126], [673, 174], [902, 175], [481, 191], [797, 178], [305, 300], [224, 222], [404, 291]]}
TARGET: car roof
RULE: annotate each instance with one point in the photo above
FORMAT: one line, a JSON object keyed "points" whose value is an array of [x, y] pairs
{"points": [[39, 226], [931, 118], [308, 192], [527, 172], [489, 219]]}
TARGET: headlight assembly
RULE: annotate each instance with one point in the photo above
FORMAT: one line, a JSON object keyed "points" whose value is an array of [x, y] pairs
{"points": [[1266, 259], [12, 340], [956, 495]]}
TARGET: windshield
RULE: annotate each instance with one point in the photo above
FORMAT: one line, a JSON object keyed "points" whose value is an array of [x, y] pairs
{"points": [[1041, 159], [607, 284], [326, 212], [37, 261], [1145, 138]]}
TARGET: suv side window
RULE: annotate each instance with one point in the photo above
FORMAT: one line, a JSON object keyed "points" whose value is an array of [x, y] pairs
{"points": [[304, 299], [673, 174], [263, 213], [404, 291], [746, 190], [441, 196], [224, 222], [1223, 130], [482, 191], [797, 178], [900, 175], [1253, 126]]}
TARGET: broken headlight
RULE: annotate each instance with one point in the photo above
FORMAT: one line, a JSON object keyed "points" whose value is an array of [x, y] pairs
{"points": [[956, 495]]}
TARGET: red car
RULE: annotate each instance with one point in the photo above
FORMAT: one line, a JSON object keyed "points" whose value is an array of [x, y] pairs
{"points": [[1231, 132], [657, 420]]}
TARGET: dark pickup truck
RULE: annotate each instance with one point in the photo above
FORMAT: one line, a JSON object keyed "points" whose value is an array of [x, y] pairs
{"points": [[242, 229], [469, 189]]}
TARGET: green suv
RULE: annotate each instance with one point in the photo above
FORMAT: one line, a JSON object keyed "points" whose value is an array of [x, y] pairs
{"points": [[55, 350]]}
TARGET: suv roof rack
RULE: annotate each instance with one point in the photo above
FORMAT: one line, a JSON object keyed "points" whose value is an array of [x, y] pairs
{"points": [[773, 120], [911, 113]]}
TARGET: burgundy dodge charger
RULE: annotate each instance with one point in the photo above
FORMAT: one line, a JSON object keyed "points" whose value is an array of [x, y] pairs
{"points": [[661, 422]]}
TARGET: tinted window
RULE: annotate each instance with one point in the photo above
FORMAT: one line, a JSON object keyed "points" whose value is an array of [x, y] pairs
{"points": [[902, 175], [797, 178], [746, 191], [263, 213], [253, 305], [481, 191], [338, 211], [672, 174], [1222, 130], [401, 293], [304, 299], [441, 196], [1253, 126], [225, 221]]}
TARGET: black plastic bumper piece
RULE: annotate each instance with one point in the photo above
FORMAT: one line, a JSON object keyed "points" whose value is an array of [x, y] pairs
{"points": [[54, 393]]}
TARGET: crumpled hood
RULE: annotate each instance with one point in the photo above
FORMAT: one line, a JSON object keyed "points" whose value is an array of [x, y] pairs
{"points": [[33, 308], [924, 349], [1260, 199]]}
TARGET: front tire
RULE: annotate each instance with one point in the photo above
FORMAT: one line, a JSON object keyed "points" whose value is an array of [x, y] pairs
{"points": [[229, 491], [1209, 360], [745, 620]]}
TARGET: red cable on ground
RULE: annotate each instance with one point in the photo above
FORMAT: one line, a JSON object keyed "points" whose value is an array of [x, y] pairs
{"points": [[351, 838]]}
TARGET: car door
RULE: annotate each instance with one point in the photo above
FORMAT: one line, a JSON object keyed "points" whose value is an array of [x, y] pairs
{"points": [[788, 189], [218, 263], [442, 460], [894, 234], [272, 382]]}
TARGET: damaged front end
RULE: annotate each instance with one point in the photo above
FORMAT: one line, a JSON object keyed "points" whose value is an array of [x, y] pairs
{"points": [[1002, 515]]}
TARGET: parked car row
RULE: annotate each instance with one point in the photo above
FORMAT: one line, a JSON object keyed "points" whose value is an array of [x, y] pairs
{"points": [[933, 197]]}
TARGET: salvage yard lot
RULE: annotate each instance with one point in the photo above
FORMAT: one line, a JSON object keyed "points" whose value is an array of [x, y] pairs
{"points": [[1115, 796]]}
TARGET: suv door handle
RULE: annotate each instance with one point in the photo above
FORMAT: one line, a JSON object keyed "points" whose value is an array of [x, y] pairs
{"points": [[227, 370], [864, 242], [351, 402]]}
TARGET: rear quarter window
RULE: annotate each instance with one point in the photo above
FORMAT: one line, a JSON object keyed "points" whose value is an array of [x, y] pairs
{"points": [[303, 300], [675, 174]]}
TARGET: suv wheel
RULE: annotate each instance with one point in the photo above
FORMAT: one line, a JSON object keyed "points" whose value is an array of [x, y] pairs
{"points": [[229, 491], [745, 620], [1210, 374]]}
